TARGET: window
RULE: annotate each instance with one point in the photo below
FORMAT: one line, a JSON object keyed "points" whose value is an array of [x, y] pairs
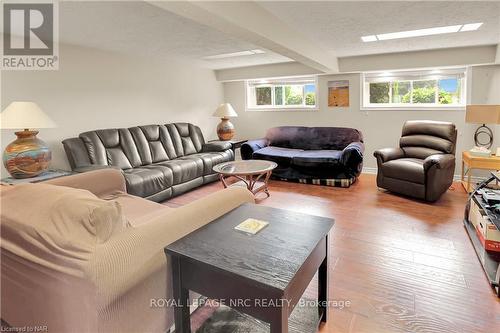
{"points": [[281, 94], [414, 90]]}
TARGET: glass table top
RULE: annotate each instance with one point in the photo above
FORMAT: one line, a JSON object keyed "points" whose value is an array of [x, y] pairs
{"points": [[244, 167]]}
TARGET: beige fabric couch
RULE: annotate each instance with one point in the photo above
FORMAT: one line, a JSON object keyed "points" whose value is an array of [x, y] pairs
{"points": [[76, 261]]}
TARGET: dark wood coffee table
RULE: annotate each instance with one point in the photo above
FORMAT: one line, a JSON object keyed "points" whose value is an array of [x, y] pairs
{"points": [[274, 266]]}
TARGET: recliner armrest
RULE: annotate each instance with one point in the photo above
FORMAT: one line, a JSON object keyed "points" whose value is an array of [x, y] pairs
{"points": [[353, 154], [389, 154], [249, 147], [441, 161], [215, 146]]}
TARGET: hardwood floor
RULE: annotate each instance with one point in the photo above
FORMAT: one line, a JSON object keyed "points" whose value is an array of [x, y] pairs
{"points": [[404, 265]]}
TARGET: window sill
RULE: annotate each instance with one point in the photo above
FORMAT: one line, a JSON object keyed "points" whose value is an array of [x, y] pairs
{"points": [[413, 108], [298, 109]]}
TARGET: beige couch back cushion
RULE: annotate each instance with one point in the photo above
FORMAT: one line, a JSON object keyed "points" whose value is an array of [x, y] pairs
{"points": [[59, 212]]}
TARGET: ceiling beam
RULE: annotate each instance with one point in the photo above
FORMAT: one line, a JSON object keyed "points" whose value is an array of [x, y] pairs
{"points": [[250, 22], [456, 56]]}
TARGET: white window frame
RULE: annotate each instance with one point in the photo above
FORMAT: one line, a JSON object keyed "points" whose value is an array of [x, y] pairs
{"points": [[421, 75], [250, 86]]}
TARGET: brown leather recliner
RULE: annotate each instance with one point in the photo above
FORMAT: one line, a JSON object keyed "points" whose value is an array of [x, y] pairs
{"points": [[424, 164]]}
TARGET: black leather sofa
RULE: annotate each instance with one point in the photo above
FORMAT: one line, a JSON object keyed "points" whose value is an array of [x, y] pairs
{"points": [[321, 155], [158, 161], [424, 163]]}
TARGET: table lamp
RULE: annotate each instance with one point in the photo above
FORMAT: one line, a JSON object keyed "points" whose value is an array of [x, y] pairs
{"points": [[225, 129], [27, 156], [483, 114]]}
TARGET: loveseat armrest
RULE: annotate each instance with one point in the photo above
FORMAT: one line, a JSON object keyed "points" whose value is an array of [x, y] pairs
{"points": [[126, 259], [388, 154], [441, 161], [352, 155], [216, 146], [100, 182], [249, 147]]}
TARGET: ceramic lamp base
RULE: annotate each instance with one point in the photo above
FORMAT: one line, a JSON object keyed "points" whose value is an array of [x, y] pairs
{"points": [[225, 130], [27, 156]]}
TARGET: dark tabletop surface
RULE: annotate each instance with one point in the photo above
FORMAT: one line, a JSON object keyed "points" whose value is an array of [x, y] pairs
{"points": [[271, 257]]}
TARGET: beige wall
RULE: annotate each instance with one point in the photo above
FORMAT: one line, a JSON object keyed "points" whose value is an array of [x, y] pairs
{"points": [[380, 128], [96, 89]]}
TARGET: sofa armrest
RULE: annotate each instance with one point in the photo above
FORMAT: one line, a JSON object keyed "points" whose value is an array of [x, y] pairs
{"points": [[215, 146], [388, 154], [94, 167], [249, 147], [76, 152], [100, 182], [352, 155], [126, 259], [441, 161]]}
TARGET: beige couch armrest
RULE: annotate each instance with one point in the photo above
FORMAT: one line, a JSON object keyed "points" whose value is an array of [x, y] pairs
{"points": [[100, 182], [128, 258]]}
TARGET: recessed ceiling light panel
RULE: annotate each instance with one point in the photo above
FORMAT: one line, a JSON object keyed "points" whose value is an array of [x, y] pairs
{"points": [[371, 38], [423, 32], [234, 54], [420, 32], [471, 26]]}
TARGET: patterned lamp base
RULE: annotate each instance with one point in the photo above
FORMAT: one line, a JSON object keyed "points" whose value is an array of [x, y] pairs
{"points": [[225, 130], [27, 156]]}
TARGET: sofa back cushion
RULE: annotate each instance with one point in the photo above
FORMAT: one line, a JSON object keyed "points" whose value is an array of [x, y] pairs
{"points": [[141, 145], [313, 138], [68, 213], [60, 222], [153, 143], [187, 138], [114, 147], [422, 138]]}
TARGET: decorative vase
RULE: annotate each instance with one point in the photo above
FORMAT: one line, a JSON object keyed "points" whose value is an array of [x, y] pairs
{"points": [[225, 130], [27, 156]]}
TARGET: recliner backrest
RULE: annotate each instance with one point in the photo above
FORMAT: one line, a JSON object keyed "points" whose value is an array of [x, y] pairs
{"points": [[422, 138], [313, 138], [114, 147], [154, 143], [187, 138], [142, 145]]}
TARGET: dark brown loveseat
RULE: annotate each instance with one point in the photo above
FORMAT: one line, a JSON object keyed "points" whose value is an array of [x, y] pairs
{"points": [[423, 165], [158, 161]]}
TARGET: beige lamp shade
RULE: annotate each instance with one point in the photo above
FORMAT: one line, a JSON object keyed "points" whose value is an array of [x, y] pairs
{"points": [[225, 111], [28, 115], [483, 114]]}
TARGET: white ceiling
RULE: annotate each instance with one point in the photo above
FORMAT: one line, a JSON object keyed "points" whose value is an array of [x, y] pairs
{"points": [[140, 28], [143, 29], [338, 26]]}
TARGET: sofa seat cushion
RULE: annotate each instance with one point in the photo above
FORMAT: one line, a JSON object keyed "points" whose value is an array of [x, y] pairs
{"points": [[282, 156], [317, 158], [146, 181], [211, 159], [409, 169], [183, 169]]}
